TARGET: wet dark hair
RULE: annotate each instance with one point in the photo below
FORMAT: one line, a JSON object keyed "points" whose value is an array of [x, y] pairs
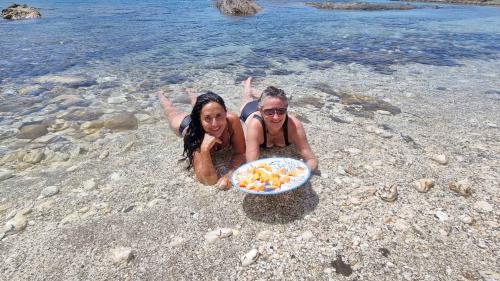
{"points": [[195, 133], [274, 92]]}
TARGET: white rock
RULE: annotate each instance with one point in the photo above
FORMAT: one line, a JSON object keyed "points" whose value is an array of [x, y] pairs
{"points": [[423, 185], [383, 112], [353, 151], [16, 224], [305, 236], [155, 202], [5, 174], [213, 235], [371, 129], [490, 275], [441, 216], [483, 207], [491, 125], [104, 154], [49, 191], [89, 184], [176, 241], [264, 235], [249, 257], [121, 255], [341, 170], [72, 168], [440, 158], [466, 219], [116, 100]]}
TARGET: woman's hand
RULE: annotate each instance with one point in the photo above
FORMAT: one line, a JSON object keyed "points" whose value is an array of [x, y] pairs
{"points": [[224, 182], [209, 142]]}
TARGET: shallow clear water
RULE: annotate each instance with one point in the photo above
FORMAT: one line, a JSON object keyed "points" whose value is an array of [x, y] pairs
{"points": [[169, 37]]}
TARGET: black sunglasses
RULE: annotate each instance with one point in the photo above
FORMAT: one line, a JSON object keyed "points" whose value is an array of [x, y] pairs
{"points": [[272, 111]]}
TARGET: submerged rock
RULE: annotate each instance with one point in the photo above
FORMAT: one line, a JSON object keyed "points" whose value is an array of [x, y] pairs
{"points": [[122, 255], [20, 12], [472, 2], [249, 257], [122, 121], [32, 131], [68, 81], [238, 7], [364, 6]]}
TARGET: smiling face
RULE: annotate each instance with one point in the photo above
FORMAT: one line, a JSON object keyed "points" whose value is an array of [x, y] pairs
{"points": [[273, 110], [213, 119]]}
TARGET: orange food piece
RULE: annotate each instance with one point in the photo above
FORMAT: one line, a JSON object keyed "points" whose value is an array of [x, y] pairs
{"points": [[282, 171], [243, 183], [259, 187], [284, 179]]}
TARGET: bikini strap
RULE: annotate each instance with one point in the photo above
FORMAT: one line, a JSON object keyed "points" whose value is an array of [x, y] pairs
{"points": [[285, 131], [258, 117]]}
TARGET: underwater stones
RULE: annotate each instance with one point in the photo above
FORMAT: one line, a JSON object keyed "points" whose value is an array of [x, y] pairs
{"points": [[462, 187], [67, 81], [83, 114], [20, 12], [250, 257], [360, 6], [32, 131], [122, 121], [238, 7], [33, 156], [388, 193], [16, 224], [423, 185], [6, 174], [116, 100], [49, 191]]}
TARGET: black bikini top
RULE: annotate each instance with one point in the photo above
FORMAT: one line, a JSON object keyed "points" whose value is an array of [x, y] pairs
{"points": [[285, 130]]}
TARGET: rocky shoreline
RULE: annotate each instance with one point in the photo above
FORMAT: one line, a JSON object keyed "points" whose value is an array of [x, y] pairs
{"points": [[408, 188], [468, 2]]}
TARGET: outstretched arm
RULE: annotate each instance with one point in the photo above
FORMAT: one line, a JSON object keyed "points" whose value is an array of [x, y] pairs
{"points": [[299, 138]]}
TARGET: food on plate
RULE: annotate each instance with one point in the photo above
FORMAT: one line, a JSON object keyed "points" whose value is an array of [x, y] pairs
{"points": [[263, 176]]}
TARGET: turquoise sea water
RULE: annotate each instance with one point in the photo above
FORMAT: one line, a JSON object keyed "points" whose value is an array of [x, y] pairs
{"points": [[175, 40]]}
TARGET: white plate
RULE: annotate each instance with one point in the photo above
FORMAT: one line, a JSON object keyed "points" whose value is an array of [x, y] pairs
{"points": [[276, 164]]}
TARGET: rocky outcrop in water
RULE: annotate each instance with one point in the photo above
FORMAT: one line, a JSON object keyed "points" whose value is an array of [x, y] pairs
{"points": [[470, 2], [20, 12], [360, 6], [238, 7]]}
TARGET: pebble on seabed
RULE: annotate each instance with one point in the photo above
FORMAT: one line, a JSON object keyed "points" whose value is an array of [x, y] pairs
{"points": [[463, 187], [440, 158], [121, 255], [423, 185], [388, 193], [49, 191], [250, 257], [213, 235]]}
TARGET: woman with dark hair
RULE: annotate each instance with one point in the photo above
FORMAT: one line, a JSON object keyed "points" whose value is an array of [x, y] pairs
{"points": [[269, 125], [209, 129]]}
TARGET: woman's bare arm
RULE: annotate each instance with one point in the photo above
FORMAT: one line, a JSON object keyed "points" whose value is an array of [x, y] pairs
{"points": [[298, 137], [202, 161]]}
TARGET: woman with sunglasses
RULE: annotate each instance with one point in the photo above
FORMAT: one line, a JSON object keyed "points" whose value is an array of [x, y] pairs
{"points": [[268, 124], [209, 130]]}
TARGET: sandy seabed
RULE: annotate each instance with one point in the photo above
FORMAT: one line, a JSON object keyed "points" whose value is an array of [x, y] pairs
{"points": [[124, 207]]}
